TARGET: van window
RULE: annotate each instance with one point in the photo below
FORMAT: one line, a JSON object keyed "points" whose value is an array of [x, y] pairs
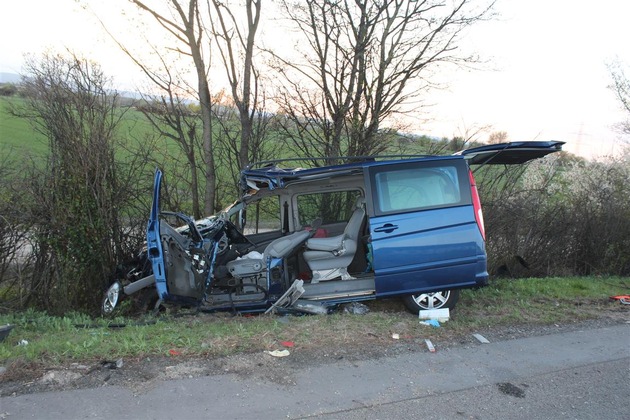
{"points": [[415, 187], [332, 207], [263, 216]]}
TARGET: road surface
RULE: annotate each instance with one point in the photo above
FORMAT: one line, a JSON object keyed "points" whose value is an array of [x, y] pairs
{"points": [[581, 374]]}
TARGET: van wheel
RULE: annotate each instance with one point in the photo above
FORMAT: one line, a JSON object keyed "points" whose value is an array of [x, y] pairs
{"points": [[435, 300]]}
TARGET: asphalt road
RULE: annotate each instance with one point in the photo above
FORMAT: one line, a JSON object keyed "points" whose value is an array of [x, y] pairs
{"points": [[574, 375]]}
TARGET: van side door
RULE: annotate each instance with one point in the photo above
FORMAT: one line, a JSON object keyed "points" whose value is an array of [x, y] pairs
{"points": [[424, 236]]}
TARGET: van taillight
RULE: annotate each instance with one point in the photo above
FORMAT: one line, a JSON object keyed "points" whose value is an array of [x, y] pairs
{"points": [[477, 205]]}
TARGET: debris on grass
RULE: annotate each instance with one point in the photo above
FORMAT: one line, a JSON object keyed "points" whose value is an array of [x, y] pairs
{"points": [[442, 314], [481, 338], [278, 353], [623, 299], [429, 345], [431, 323], [396, 336], [356, 308], [112, 364], [287, 343]]}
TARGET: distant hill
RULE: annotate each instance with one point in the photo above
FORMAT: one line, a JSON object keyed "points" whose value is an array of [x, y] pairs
{"points": [[9, 78]]}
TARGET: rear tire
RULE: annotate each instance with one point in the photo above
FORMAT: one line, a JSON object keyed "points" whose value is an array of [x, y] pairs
{"points": [[435, 300]]}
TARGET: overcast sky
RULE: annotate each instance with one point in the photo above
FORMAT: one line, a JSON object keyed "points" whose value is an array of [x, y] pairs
{"points": [[546, 77]]}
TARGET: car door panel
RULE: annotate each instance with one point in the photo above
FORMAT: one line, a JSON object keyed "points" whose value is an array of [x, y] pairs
{"points": [[428, 249], [423, 230]]}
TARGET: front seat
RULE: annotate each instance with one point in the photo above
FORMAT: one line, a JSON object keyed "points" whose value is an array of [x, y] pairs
{"points": [[329, 258], [278, 248]]}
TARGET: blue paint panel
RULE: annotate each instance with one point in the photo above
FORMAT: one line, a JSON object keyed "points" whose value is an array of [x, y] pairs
{"points": [[427, 250], [154, 243]]}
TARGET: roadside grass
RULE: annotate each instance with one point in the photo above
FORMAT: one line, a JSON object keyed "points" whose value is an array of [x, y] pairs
{"points": [[505, 302]]}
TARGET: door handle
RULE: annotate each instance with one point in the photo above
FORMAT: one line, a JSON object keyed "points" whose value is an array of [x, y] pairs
{"points": [[386, 228]]}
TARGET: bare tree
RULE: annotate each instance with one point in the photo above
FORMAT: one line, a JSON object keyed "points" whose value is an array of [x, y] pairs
{"points": [[236, 47], [187, 28], [362, 62], [172, 118], [621, 88]]}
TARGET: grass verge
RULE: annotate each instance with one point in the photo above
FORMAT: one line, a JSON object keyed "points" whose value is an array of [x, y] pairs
{"points": [[77, 338]]}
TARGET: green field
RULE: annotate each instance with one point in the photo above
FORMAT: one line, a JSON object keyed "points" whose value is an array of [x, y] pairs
{"points": [[18, 139]]}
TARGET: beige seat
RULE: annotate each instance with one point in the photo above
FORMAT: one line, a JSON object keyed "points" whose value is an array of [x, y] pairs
{"points": [[329, 258], [278, 248]]}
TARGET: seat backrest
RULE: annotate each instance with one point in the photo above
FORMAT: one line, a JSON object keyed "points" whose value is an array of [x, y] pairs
{"points": [[281, 247], [351, 230]]}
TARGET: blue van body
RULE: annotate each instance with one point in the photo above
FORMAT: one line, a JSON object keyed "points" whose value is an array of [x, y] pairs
{"points": [[306, 239]]}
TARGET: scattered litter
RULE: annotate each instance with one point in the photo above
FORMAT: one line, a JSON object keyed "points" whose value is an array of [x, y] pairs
{"points": [[481, 338], [287, 343], [431, 322], [623, 299], [112, 364], [315, 308], [356, 308], [442, 314], [174, 352], [289, 297], [429, 345], [22, 343], [79, 367], [278, 353], [396, 336]]}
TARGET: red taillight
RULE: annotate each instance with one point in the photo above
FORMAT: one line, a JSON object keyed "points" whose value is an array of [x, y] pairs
{"points": [[477, 205]]}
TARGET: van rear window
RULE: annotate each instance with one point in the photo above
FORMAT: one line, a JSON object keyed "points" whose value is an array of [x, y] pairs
{"points": [[418, 187]]}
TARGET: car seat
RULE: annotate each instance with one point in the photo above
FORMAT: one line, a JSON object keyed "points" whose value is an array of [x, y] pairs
{"points": [[254, 262], [330, 257]]}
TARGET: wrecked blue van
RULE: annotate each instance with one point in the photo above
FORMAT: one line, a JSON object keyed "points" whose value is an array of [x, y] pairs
{"points": [[306, 239]]}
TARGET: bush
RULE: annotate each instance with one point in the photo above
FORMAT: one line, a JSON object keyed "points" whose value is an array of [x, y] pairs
{"points": [[559, 217], [8, 89]]}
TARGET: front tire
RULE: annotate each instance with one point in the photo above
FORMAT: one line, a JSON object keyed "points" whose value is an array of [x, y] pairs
{"points": [[435, 300]]}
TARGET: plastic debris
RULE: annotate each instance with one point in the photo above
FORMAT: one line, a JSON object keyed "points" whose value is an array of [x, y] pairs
{"points": [[431, 323], [623, 299], [442, 314], [22, 343], [174, 352], [429, 345], [315, 308], [289, 297], [278, 353], [112, 364], [287, 343], [356, 308], [396, 336], [481, 338]]}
